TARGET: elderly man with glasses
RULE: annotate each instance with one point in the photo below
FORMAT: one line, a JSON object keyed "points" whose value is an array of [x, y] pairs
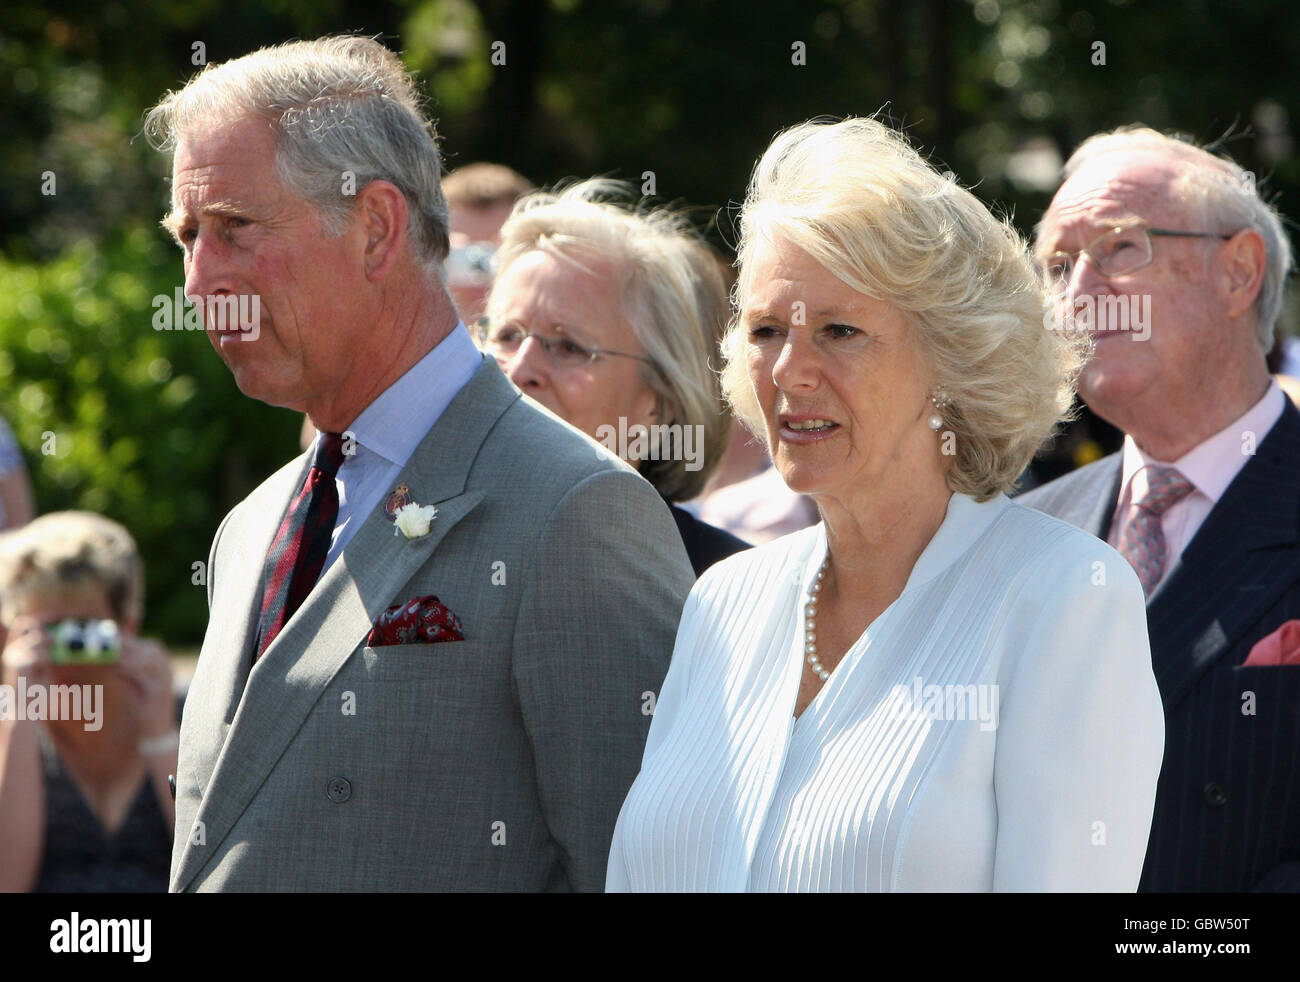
{"points": [[1180, 266]]}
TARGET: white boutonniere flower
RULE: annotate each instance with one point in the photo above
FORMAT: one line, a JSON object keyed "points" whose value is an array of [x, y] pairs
{"points": [[413, 520]]}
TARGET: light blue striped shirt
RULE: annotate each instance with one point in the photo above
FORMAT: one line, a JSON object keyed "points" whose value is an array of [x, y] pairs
{"points": [[390, 428]]}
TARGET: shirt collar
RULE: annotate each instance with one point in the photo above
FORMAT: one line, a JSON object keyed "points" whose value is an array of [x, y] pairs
{"points": [[394, 424], [1213, 464]]}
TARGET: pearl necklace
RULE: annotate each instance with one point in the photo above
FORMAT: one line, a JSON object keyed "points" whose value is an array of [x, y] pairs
{"points": [[810, 624]]}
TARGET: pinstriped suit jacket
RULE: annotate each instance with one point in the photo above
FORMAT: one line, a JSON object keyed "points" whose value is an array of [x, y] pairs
{"points": [[1227, 815], [494, 763]]}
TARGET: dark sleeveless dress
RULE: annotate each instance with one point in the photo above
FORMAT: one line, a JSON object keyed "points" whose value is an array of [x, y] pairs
{"points": [[80, 857]]}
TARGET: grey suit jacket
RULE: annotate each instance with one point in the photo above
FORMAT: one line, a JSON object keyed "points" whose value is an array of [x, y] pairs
{"points": [[494, 763]]}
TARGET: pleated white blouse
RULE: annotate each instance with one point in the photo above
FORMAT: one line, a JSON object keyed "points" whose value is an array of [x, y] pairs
{"points": [[998, 727]]}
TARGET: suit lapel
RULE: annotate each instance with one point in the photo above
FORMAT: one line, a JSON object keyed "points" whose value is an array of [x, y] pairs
{"points": [[245, 539], [1096, 505], [334, 621], [1240, 559]]}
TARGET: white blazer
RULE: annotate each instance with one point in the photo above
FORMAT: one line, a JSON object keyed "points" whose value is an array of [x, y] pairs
{"points": [[998, 727]]}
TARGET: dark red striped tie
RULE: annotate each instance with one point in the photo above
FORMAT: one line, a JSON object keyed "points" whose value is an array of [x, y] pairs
{"points": [[298, 551]]}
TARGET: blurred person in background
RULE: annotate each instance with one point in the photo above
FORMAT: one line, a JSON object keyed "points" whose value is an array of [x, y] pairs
{"points": [[480, 197], [606, 316], [15, 488], [16, 507], [85, 803], [1284, 364]]}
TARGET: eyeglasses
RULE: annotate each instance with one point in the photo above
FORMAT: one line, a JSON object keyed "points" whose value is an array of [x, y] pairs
{"points": [[1120, 251], [505, 340]]}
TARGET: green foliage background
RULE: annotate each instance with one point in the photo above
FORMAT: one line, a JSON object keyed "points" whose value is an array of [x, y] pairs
{"points": [[149, 427], [145, 426]]}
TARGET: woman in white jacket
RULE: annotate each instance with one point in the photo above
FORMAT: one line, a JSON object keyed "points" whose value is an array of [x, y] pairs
{"points": [[935, 689]]}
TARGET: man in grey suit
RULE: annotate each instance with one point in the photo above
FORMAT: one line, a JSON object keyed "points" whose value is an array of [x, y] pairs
{"points": [[1171, 259], [480, 741]]}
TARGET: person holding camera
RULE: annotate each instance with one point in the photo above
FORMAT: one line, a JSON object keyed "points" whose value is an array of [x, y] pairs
{"points": [[88, 716]]}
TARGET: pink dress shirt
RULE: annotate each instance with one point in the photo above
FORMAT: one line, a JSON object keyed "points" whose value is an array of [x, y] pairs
{"points": [[1211, 466]]}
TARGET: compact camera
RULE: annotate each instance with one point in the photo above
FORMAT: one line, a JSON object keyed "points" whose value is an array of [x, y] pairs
{"points": [[471, 265], [84, 643]]}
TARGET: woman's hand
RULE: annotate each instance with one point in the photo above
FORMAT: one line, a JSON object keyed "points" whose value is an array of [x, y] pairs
{"points": [[22, 787], [26, 653], [146, 667]]}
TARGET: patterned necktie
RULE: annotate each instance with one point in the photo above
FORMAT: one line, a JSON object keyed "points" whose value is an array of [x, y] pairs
{"points": [[298, 551], [1142, 542]]}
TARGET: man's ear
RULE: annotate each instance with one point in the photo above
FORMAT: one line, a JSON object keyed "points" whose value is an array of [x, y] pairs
{"points": [[381, 215], [1243, 260]]}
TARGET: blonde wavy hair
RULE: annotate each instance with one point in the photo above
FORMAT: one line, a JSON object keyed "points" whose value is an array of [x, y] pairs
{"points": [[673, 297], [862, 202], [65, 552]]}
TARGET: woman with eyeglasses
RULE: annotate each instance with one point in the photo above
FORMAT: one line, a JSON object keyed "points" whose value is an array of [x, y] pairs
{"points": [[606, 316]]}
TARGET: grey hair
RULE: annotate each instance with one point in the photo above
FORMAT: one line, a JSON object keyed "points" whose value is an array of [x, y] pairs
{"points": [[339, 105], [673, 298], [1227, 198], [858, 199]]}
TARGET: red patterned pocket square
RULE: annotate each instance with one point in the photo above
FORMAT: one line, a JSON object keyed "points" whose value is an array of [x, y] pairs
{"points": [[1282, 647], [421, 620]]}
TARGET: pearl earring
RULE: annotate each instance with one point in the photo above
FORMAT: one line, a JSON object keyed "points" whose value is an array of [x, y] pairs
{"points": [[938, 400]]}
